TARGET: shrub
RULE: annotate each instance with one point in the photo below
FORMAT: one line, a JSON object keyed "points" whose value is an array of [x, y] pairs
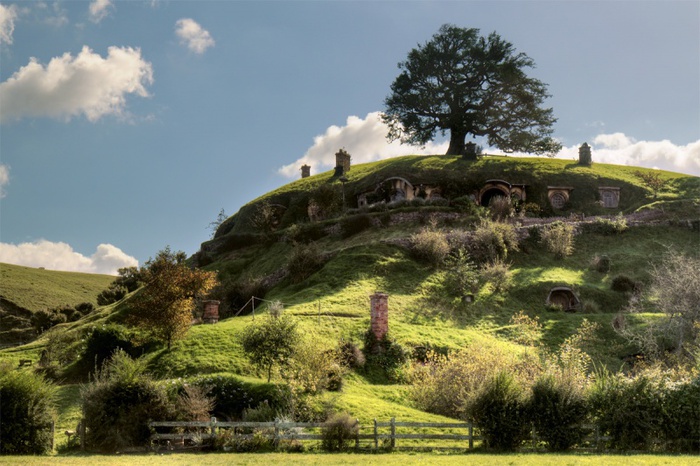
{"points": [[304, 261], [606, 227], [624, 284], [498, 274], [682, 421], [500, 412], [430, 246], [111, 295], [355, 224], [385, 356], [26, 406], [102, 342], [492, 241], [313, 368], [601, 264], [558, 408], [232, 396], [44, 320], [272, 341], [628, 410], [558, 238], [351, 355], [500, 208], [590, 307], [462, 275], [338, 431], [526, 330], [119, 404], [234, 294], [531, 209]]}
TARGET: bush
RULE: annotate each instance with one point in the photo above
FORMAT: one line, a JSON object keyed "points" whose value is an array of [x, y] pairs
{"points": [[111, 295], [26, 406], [624, 284], [492, 241], [558, 408], [385, 356], [531, 209], [462, 277], [338, 431], [465, 205], [232, 397], [500, 208], [119, 404], [606, 227], [630, 411], [44, 320], [601, 264], [101, 343], [234, 294], [351, 355], [498, 274], [355, 224], [500, 412], [304, 261], [430, 246], [682, 421], [558, 238]]}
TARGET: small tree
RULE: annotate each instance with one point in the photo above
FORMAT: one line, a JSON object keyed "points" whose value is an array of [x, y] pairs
{"points": [[213, 226], [558, 238], [652, 180], [164, 307], [271, 342]]}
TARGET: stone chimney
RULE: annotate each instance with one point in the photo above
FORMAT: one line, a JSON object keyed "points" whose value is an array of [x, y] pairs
{"points": [[584, 155], [342, 162], [211, 312], [305, 171], [379, 314]]}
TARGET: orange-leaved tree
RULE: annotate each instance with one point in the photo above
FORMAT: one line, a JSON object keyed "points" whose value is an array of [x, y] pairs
{"points": [[164, 306]]}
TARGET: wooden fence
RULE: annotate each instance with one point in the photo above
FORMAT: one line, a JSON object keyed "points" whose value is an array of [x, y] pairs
{"points": [[461, 435]]}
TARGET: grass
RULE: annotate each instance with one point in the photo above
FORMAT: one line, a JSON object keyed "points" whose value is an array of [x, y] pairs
{"points": [[36, 289], [324, 459]]}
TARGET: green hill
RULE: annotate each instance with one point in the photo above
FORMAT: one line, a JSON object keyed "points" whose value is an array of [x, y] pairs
{"points": [[261, 250]]}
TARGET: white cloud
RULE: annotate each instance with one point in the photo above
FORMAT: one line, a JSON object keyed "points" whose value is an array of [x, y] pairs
{"points": [[8, 14], [87, 84], [107, 259], [99, 9], [4, 179], [193, 36], [365, 140]]}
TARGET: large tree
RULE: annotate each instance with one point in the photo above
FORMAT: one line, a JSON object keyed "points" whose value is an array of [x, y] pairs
{"points": [[164, 306], [467, 84]]}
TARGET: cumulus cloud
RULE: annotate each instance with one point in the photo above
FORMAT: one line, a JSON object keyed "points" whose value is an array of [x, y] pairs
{"points": [[193, 35], [8, 14], [68, 86], [4, 179], [99, 10], [365, 140], [107, 259]]}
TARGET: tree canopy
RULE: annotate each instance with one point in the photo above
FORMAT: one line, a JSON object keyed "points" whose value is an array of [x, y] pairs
{"points": [[465, 84], [164, 306]]}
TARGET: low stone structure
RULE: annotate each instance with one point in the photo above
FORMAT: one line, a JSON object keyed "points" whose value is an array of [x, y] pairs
{"points": [[379, 314], [211, 312]]}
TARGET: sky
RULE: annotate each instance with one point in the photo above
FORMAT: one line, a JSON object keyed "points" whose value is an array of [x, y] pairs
{"points": [[126, 127]]}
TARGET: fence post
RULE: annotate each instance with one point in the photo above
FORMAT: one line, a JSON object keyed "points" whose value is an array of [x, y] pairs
{"points": [[471, 435], [357, 435], [393, 433], [213, 428], [276, 441], [597, 437], [376, 436], [53, 434], [81, 431]]}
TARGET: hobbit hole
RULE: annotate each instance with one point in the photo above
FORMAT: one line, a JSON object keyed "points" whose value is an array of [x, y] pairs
{"points": [[559, 195], [563, 297], [609, 196]]}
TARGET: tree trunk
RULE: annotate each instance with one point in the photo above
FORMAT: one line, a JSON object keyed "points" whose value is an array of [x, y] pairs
{"points": [[456, 142]]}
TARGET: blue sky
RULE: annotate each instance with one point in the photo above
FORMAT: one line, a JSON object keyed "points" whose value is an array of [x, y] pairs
{"points": [[127, 126]]}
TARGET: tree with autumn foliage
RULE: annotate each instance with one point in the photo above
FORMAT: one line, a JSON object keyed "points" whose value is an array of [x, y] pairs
{"points": [[164, 305]]}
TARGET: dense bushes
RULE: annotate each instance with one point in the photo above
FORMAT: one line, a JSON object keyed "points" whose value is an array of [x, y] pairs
{"points": [[430, 246], [558, 238], [492, 241], [338, 431], [304, 260], [119, 404], [26, 406]]}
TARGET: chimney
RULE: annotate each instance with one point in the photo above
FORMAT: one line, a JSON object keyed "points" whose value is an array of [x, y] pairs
{"points": [[379, 314], [211, 312], [305, 171], [584, 155], [342, 162]]}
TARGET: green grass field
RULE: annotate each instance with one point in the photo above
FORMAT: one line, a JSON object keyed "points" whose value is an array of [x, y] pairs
{"points": [[323, 459]]}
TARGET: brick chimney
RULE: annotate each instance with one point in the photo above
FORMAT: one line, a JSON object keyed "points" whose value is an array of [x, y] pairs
{"points": [[305, 171], [379, 314], [211, 312]]}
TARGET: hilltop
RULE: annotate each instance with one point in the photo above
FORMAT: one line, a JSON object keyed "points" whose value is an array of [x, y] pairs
{"points": [[261, 255]]}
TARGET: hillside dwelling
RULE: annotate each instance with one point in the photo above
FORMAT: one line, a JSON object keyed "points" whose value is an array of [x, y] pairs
{"points": [[564, 297], [559, 195], [609, 196], [501, 188], [397, 189]]}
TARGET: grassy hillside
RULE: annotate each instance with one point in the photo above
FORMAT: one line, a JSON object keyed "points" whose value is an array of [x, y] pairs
{"points": [[332, 303]]}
